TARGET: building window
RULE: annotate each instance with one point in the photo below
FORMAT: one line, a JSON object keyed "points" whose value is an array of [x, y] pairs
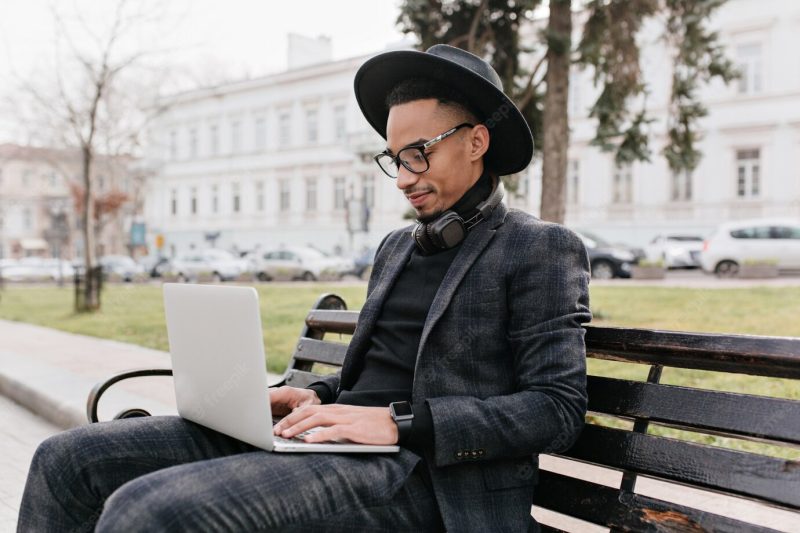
{"points": [[283, 186], [173, 204], [311, 125], [213, 138], [236, 197], [748, 173], [261, 134], [236, 137], [339, 122], [194, 200], [27, 219], [311, 194], [215, 199], [573, 181], [749, 63], [284, 129], [338, 193], [101, 183], [623, 184], [173, 145], [260, 196], [681, 189], [193, 142], [368, 190], [26, 178]]}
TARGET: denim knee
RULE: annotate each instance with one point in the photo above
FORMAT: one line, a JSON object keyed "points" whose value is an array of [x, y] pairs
{"points": [[139, 505]]}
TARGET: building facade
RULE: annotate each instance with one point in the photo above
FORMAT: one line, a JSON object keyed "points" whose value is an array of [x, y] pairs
{"points": [[284, 160], [750, 138], [37, 206], [287, 159]]}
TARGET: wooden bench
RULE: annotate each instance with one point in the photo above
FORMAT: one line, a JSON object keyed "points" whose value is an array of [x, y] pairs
{"points": [[615, 403]]}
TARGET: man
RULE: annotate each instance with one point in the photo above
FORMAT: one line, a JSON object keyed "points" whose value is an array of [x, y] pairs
{"points": [[471, 330]]}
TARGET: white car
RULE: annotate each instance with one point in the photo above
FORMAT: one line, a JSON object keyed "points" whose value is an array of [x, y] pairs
{"points": [[675, 251], [37, 269], [218, 264], [768, 240], [307, 264], [122, 266]]}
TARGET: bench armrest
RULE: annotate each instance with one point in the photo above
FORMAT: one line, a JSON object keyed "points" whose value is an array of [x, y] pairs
{"points": [[101, 387]]}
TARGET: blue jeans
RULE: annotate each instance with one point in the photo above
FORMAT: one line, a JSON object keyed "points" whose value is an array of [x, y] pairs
{"points": [[169, 474]]}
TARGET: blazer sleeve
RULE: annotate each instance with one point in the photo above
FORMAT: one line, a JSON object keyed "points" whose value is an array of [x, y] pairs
{"points": [[548, 301]]}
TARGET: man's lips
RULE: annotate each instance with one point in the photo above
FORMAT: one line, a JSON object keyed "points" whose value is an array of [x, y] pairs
{"points": [[418, 198]]}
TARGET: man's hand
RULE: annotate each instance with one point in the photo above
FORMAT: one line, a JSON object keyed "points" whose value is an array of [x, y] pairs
{"points": [[284, 399], [363, 425]]}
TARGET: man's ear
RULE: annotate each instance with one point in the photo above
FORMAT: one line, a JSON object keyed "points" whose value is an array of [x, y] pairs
{"points": [[479, 142]]}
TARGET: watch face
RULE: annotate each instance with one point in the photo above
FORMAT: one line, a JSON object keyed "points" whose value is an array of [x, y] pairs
{"points": [[402, 409]]}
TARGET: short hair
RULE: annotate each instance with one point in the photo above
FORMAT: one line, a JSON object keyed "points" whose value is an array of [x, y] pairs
{"points": [[414, 89]]}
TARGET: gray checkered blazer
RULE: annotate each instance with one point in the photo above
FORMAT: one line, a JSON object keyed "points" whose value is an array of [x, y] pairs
{"points": [[501, 362]]}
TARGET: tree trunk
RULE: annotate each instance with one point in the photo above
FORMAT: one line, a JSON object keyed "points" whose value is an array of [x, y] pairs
{"points": [[91, 286], [555, 120]]}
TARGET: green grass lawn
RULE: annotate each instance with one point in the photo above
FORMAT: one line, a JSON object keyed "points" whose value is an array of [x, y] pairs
{"points": [[134, 313]]}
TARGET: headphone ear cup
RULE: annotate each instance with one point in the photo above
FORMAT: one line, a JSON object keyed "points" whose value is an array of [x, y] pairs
{"points": [[422, 239]]}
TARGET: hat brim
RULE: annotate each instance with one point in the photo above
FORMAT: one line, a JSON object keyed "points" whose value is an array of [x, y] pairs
{"points": [[511, 141]]}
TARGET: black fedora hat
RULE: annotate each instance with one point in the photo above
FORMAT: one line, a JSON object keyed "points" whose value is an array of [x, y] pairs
{"points": [[511, 143]]}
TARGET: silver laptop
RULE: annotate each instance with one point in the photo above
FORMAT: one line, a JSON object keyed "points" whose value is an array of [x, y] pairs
{"points": [[219, 367]]}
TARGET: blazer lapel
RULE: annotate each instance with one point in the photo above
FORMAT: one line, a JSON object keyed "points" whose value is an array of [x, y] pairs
{"points": [[471, 248]]}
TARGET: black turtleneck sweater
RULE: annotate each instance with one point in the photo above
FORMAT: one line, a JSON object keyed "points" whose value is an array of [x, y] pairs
{"points": [[387, 372]]}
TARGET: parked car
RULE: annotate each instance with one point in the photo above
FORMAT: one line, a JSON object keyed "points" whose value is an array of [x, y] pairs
{"points": [[307, 264], [760, 240], [121, 266], [155, 266], [675, 251], [607, 260], [218, 264], [363, 261], [36, 269]]}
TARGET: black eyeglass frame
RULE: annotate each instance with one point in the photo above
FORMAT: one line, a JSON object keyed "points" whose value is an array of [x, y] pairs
{"points": [[420, 148]]}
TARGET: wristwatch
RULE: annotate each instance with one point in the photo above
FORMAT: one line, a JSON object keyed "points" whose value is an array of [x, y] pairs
{"points": [[403, 416]]}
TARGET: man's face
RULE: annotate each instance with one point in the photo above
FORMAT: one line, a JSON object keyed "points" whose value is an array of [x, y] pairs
{"points": [[452, 163]]}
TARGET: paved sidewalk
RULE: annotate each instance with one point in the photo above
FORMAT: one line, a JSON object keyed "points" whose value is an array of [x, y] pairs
{"points": [[20, 434]]}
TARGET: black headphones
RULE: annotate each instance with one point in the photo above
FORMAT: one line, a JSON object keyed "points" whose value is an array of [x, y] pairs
{"points": [[449, 229]]}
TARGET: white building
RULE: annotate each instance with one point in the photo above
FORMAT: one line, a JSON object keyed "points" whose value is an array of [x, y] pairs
{"points": [[751, 138], [276, 161]]}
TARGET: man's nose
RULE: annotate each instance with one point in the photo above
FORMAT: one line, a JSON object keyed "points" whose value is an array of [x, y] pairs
{"points": [[406, 178]]}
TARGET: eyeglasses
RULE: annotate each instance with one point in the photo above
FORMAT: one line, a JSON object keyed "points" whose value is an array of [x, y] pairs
{"points": [[412, 157]]}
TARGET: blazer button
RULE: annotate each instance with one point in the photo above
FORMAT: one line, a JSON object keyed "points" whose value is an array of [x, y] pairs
{"points": [[480, 452], [474, 454], [458, 455]]}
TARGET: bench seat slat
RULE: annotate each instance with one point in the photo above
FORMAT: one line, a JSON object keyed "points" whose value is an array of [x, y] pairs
{"points": [[755, 476], [765, 418], [343, 322], [602, 505], [742, 354], [314, 351]]}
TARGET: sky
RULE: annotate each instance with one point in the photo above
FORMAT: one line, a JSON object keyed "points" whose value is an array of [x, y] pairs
{"points": [[231, 39]]}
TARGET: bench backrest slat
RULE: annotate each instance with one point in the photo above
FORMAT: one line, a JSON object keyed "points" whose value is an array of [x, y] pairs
{"points": [[741, 354], [687, 408], [746, 474], [600, 504], [316, 351]]}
